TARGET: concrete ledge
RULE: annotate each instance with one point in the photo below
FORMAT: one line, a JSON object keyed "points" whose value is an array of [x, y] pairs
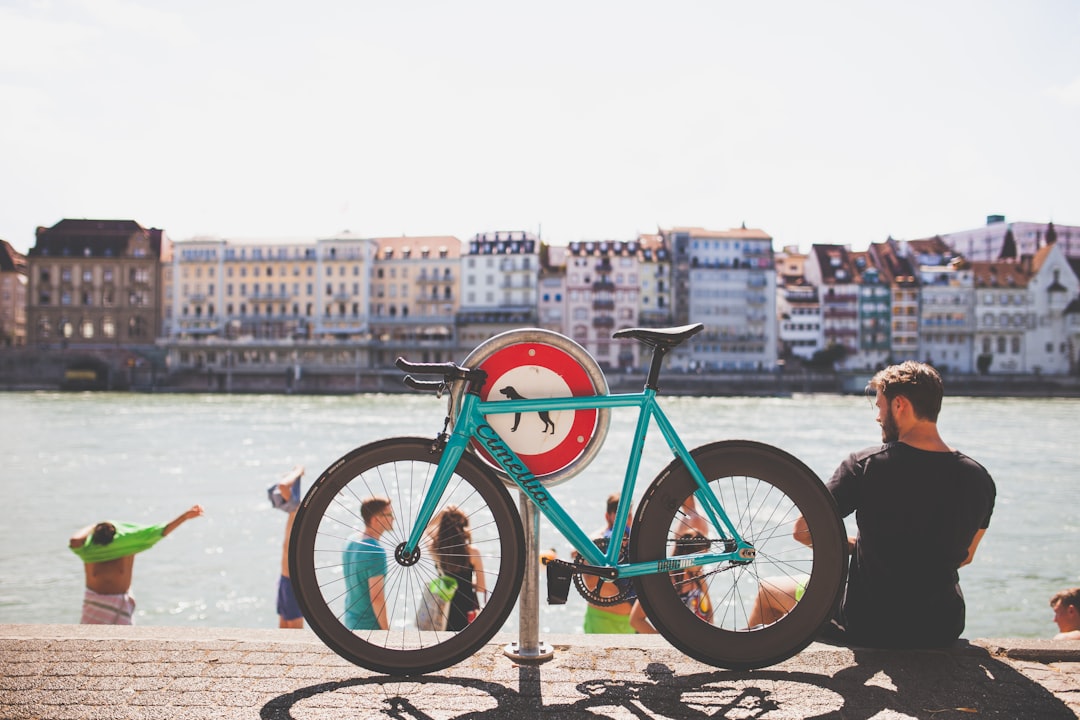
{"points": [[58, 672], [1043, 651]]}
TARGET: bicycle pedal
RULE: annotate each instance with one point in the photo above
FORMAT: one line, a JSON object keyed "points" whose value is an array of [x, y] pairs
{"points": [[559, 573]]}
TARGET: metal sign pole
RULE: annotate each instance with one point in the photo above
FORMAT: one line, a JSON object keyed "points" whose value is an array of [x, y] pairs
{"points": [[528, 647]]}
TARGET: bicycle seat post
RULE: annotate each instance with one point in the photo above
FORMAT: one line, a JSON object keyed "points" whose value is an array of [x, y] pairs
{"points": [[652, 382]]}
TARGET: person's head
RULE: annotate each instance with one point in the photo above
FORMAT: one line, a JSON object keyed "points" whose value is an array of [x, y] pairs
{"points": [[377, 513], [910, 385], [610, 509], [452, 539], [1066, 605], [103, 533]]}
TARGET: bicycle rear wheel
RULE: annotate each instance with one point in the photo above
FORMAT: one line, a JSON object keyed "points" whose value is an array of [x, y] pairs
{"points": [[401, 469], [765, 611]]}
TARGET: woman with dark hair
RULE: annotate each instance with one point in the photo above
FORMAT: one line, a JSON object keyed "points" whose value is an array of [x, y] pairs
{"points": [[459, 559]]}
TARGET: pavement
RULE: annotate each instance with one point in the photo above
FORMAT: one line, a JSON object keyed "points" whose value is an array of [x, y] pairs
{"points": [[104, 672]]}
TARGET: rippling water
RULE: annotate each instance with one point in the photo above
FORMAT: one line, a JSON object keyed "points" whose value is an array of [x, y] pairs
{"points": [[73, 459]]}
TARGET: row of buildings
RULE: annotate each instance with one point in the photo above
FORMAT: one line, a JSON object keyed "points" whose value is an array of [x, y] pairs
{"points": [[1002, 298]]}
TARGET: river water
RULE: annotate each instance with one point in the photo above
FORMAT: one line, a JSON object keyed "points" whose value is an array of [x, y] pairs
{"points": [[69, 460]]}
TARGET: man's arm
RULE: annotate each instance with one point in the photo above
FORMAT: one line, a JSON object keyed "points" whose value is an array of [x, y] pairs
{"points": [[194, 512], [974, 544], [378, 601], [802, 534], [79, 539]]}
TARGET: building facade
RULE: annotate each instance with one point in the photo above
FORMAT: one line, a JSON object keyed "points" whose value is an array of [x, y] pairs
{"points": [[95, 284], [499, 286], [726, 280], [603, 290], [832, 270], [13, 282]]}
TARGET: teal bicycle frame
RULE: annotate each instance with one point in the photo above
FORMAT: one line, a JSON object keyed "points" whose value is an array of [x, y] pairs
{"points": [[471, 424]]}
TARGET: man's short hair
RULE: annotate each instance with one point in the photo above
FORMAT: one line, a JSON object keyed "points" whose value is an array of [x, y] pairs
{"points": [[612, 504], [103, 533], [372, 507], [918, 382], [1068, 597]]}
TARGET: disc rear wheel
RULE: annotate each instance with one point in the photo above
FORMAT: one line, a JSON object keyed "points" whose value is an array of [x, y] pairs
{"points": [[755, 613]]}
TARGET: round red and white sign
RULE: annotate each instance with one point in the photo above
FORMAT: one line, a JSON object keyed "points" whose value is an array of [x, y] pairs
{"points": [[546, 441]]}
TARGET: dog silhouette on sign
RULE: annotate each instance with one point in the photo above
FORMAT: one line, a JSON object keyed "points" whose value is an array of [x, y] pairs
{"points": [[512, 394]]}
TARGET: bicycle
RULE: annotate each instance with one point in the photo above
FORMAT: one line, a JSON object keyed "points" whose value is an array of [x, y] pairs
{"points": [[750, 493]]}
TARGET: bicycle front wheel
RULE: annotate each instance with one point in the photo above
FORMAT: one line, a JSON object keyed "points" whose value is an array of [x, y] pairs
{"points": [[329, 521], [758, 613]]}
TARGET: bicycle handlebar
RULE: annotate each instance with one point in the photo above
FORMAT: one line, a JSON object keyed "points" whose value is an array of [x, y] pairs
{"points": [[449, 371]]}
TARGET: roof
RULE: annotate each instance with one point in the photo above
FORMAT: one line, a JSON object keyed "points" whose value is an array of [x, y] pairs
{"points": [[418, 244], [11, 260], [735, 233], [835, 264], [999, 274], [94, 238], [893, 267]]}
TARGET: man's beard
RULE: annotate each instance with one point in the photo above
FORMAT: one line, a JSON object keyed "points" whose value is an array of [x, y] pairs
{"points": [[889, 430]]}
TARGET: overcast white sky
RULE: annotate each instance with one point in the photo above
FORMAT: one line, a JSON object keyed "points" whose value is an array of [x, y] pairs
{"points": [[839, 122]]}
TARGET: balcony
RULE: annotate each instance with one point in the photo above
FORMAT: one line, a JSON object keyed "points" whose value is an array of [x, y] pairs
{"points": [[434, 278], [608, 305], [603, 286], [270, 297], [603, 321]]}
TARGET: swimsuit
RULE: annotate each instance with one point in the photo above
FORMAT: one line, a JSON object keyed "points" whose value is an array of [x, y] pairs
{"points": [[287, 607], [598, 620], [101, 609]]}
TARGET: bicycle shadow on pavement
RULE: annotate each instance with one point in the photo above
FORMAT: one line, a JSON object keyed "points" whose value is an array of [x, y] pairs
{"points": [[915, 684]]}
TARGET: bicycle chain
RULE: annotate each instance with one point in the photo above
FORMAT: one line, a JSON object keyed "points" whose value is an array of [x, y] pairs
{"points": [[626, 587]]}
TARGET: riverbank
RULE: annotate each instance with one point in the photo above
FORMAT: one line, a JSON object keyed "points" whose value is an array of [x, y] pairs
{"points": [[78, 671], [123, 370]]}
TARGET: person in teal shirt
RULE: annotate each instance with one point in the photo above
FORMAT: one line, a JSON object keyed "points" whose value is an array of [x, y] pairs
{"points": [[108, 551], [365, 568]]}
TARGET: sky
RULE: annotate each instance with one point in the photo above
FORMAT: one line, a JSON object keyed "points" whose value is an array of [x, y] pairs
{"points": [[830, 122]]}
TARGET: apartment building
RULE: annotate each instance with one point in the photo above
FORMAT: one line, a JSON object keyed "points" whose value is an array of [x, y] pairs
{"points": [[899, 275], [499, 287], [798, 307], [832, 270], [875, 313], [1053, 344], [13, 282], [726, 280], [270, 288], [1001, 240], [415, 286], [1003, 316], [95, 284], [602, 291], [551, 291], [655, 275]]}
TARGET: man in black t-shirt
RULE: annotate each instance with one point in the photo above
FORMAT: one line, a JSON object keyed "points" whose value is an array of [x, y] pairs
{"points": [[921, 508]]}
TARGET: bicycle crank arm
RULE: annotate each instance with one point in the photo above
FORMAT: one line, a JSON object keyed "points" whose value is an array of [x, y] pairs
{"points": [[606, 573]]}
